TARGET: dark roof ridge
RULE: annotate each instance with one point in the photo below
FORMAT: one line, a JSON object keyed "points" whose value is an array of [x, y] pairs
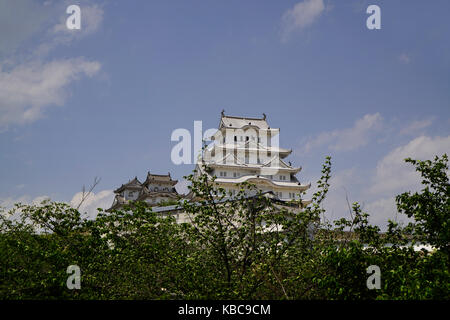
{"points": [[244, 118]]}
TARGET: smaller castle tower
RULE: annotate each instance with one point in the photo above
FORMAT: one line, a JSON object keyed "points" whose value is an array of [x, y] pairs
{"points": [[156, 188]]}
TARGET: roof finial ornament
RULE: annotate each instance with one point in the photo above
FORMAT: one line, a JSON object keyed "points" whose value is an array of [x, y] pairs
{"points": [[264, 116], [223, 113]]}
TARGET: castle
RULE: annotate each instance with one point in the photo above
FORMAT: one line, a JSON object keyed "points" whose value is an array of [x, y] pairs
{"points": [[242, 150], [156, 189]]}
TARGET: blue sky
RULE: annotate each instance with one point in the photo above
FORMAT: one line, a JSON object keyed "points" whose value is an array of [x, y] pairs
{"points": [[103, 101]]}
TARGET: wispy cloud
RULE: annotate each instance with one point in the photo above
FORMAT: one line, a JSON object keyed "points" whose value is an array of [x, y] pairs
{"points": [[300, 16], [415, 126], [31, 83], [348, 138], [28, 89], [58, 34], [392, 174], [9, 202], [102, 199]]}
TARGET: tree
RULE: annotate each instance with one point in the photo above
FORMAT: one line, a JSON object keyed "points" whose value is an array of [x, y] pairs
{"points": [[430, 208], [237, 246]]}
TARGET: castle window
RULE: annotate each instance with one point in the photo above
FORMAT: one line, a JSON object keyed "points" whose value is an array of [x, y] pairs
{"points": [[235, 138]]}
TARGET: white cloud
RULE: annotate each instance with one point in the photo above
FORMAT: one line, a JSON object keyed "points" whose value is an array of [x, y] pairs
{"points": [[102, 199], [383, 209], [28, 83], [8, 203], [300, 16], [27, 89], [416, 126], [349, 138], [341, 184], [393, 174]]}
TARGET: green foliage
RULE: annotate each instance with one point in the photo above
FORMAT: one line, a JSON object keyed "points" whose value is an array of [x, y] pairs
{"points": [[234, 247], [430, 208]]}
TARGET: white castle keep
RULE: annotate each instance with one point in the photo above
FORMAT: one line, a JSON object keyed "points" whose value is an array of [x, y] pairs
{"points": [[247, 150]]}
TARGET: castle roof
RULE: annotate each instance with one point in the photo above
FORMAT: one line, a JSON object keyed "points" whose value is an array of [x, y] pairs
{"points": [[134, 184], [239, 122], [159, 178]]}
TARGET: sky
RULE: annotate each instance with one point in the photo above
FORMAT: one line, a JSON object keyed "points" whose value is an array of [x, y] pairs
{"points": [[103, 101]]}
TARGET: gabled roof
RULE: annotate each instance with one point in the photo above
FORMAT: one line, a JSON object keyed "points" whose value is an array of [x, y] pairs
{"points": [[159, 178], [162, 191], [134, 184], [239, 122]]}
